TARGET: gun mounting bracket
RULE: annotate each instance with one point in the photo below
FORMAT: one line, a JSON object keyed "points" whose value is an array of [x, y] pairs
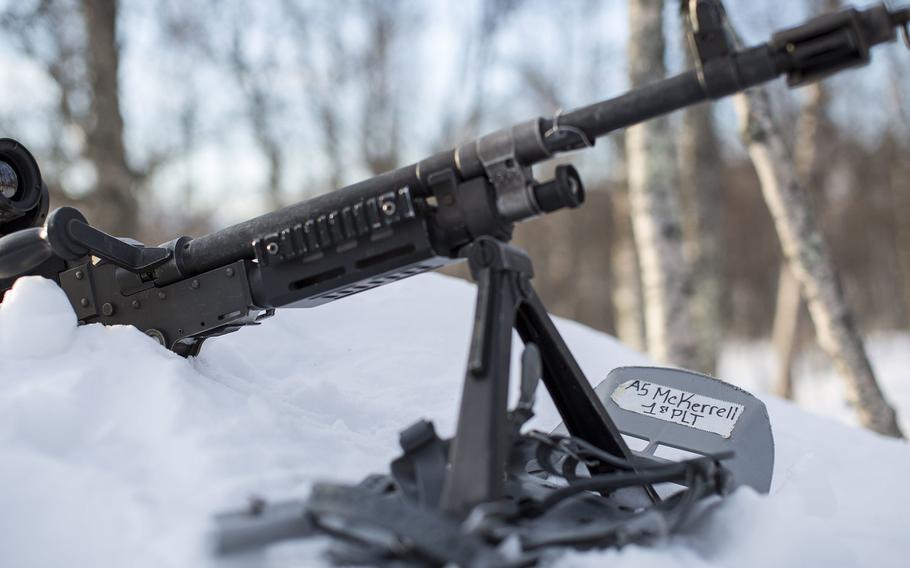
{"points": [[501, 155]]}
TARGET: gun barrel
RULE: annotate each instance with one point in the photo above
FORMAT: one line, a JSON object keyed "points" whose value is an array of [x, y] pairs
{"points": [[805, 53], [752, 67]]}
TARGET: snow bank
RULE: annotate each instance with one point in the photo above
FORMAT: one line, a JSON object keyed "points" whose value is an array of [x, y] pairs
{"points": [[115, 452]]}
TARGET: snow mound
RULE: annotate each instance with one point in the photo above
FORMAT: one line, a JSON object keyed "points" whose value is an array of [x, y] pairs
{"points": [[115, 452]]}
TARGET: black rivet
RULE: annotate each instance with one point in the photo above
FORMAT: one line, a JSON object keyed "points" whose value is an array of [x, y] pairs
{"points": [[229, 272], [79, 275], [162, 295], [84, 302], [194, 284], [135, 304], [107, 309]]}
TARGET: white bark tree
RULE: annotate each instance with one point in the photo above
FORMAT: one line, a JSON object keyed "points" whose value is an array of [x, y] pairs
{"points": [[789, 318], [700, 163], [654, 202], [808, 258], [628, 304]]}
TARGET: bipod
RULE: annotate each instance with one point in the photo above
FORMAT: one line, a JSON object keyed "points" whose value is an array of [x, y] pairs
{"points": [[506, 301]]}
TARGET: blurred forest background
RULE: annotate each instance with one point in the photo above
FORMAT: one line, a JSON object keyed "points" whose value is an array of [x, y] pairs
{"points": [[171, 117]]}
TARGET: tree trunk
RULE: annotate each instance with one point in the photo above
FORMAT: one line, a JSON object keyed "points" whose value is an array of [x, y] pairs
{"points": [[788, 318], [897, 182], [807, 256], [699, 185], [898, 174], [626, 295], [788, 315], [116, 184], [784, 336], [654, 202]]}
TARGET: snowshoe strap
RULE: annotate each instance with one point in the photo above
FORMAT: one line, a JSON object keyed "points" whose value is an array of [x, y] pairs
{"points": [[421, 469]]}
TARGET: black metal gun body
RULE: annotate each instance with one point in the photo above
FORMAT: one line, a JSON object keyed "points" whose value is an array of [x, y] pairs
{"points": [[409, 220]]}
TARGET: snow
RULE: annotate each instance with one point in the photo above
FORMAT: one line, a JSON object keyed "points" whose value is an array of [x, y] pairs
{"points": [[115, 452]]}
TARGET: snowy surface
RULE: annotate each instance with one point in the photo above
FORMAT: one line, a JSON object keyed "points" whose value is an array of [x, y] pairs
{"points": [[115, 452]]}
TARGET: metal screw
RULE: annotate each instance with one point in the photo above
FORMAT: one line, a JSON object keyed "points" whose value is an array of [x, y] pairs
{"points": [[229, 272], [388, 207], [272, 248], [84, 302], [194, 284], [79, 275], [135, 304], [162, 295], [107, 309]]}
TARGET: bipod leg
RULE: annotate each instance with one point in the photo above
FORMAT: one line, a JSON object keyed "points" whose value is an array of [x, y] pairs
{"points": [[582, 412], [479, 450]]}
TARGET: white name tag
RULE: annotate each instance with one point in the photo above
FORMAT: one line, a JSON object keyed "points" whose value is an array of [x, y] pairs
{"points": [[678, 406]]}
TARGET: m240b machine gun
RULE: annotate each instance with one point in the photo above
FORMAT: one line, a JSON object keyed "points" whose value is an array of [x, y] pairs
{"points": [[409, 220], [457, 501]]}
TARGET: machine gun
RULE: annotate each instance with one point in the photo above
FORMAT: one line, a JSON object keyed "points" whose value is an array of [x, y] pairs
{"points": [[410, 220], [453, 501]]}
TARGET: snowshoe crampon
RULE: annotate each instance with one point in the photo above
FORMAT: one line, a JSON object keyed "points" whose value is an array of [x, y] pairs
{"points": [[691, 436]]}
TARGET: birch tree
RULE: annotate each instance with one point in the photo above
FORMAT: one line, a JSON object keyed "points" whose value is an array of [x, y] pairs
{"points": [[788, 313], [626, 293], [699, 184], [808, 258], [654, 202]]}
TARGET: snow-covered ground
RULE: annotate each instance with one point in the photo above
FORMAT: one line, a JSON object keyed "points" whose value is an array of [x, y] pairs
{"points": [[114, 452]]}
